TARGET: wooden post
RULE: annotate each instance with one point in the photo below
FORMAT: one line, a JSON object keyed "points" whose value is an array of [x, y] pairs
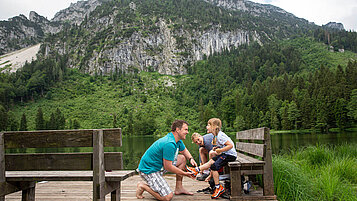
{"points": [[29, 193], [115, 195], [2, 162], [98, 166], [268, 179], [236, 186]]}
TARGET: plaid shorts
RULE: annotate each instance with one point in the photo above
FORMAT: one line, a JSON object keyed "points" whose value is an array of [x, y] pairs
{"points": [[156, 182]]}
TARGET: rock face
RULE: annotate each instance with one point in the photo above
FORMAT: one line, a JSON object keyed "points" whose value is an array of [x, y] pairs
{"points": [[19, 32], [159, 52], [335, 25], [76, 12], [96, 46]]}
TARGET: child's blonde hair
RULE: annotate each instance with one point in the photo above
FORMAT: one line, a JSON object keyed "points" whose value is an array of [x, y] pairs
{"points": [[216, 125], [194, 135]]}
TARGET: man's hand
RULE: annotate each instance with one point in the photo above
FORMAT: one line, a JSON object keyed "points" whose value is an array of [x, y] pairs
{"points": [[189, 174]]}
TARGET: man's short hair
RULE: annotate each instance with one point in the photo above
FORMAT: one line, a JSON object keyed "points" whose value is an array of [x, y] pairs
{"points": [[178, 124]]}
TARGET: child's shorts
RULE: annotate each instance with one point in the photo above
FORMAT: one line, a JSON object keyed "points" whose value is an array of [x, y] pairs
{"points": [[221, 160]]}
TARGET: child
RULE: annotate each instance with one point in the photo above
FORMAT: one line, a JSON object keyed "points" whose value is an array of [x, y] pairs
{"points": [[205, 150], [225, 153]]}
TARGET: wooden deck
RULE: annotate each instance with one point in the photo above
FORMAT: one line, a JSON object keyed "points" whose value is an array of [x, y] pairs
{"points": [[82, 190]]}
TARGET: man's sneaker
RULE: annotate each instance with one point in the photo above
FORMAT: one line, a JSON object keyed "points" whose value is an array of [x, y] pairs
{"points": [[217, 192], [192, 170]]}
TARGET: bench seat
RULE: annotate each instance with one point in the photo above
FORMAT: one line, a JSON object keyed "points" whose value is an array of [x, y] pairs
{"points": [[244, 160], [15, 176]]}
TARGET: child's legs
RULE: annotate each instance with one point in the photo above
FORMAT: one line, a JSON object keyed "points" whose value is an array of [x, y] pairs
{"points": [[203, 154], [219, 161], [207, 165], [212, 154]]}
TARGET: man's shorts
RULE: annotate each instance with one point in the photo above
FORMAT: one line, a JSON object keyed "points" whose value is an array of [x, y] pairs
{"points": [[156, 182], [221, 160]]}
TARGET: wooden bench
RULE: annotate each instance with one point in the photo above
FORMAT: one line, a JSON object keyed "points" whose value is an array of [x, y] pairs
{"points": [[21, 171], [254, 158]]}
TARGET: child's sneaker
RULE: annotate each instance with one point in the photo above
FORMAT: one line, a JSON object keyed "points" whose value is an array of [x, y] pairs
{"points": [[217, 192], [192, 170]]}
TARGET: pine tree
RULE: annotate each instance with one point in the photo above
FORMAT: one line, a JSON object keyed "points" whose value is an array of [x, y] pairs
{"points": [[352, 106], [76, 124], [341, 113], [23, 123], [40, 121], [3, 118], [114, 120], [60, 120]]}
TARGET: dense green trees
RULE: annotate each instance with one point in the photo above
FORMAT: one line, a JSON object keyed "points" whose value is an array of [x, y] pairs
{"points": [[253, 86]]}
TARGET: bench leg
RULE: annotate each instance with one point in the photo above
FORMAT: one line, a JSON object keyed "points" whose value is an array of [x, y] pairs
{"points": [[236, 185], [115, 195], [28, 194]]}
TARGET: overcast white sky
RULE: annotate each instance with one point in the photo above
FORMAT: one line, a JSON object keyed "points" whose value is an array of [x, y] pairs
{"points": [[318, 11]]}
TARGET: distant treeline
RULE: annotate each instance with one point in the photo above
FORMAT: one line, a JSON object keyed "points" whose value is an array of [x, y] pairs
{"points": [[338, 39], [253, 86]]}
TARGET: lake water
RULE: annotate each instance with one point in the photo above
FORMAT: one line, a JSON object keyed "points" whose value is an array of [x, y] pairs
{"points": [[135, 146]]}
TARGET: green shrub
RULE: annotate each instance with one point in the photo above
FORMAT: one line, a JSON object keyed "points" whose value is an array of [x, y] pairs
{"points": [[290, 181]]}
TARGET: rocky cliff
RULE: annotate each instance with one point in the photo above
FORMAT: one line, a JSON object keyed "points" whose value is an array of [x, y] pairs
{"points": [[165, 36], [19, 32]]}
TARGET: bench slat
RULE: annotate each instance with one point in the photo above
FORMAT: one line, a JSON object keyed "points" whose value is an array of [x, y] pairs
{"points": [[252, 134], [12, 176], [59, 138], [60, 161], [251, 148]]}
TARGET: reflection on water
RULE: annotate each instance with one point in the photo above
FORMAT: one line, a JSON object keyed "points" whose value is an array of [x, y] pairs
{"points": [[135, 146], [283, 142]]}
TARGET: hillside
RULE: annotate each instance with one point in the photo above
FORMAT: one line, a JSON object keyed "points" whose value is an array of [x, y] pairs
{"points": [[225, 85], [13, 61]]}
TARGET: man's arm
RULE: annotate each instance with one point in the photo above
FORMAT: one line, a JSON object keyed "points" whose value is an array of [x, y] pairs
{"points": [[189, 157], [171, 168]]}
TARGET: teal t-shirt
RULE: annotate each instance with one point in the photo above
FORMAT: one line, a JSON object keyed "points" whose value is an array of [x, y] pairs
{"points": [[164, 148]]}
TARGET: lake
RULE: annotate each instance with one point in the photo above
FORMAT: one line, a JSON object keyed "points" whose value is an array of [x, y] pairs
{"points": [[135, 146]]}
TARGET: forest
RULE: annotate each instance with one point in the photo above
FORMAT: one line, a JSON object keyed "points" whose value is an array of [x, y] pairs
{"points": [[280, 85]]}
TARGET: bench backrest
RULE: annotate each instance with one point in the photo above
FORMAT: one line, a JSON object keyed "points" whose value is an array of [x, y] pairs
{"points": [[96, 139], [254, 142]]}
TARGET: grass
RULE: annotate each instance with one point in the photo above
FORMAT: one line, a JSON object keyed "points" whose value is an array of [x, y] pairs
{"points": [[317, 173]]}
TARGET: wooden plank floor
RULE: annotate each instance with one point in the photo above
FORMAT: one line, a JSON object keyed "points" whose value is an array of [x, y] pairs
{"points": [[82, 190]]}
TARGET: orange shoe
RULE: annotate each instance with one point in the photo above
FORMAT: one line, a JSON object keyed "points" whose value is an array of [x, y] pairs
{"points": [[192, 170], [217, 192]]}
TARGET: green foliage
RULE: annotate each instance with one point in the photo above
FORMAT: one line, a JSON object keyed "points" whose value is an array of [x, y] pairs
{"points": [[23, 123], [290, 180], [249, 87], [40, 121], [316, 173]]}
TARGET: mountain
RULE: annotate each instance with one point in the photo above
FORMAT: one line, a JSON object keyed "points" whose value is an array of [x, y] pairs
{"points": [[19, 32], [164, 36], [76, 12], [335, 25]]}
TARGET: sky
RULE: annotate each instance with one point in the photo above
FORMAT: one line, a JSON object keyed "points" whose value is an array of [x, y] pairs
{"points": [[318, 11]]}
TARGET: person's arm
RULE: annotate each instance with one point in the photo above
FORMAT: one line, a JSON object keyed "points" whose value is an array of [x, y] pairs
{"points": [[171, 168], [228, 146], [189, 157]]}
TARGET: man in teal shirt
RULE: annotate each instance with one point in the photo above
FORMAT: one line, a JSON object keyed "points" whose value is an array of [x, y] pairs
{"points": [[163, 156]]}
